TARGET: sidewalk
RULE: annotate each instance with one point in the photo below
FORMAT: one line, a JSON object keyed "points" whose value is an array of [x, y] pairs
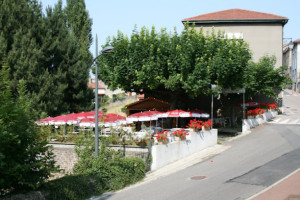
{"points": [[185, 162], [286, 189]]}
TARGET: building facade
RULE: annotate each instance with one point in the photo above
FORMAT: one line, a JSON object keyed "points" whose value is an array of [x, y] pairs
{"points": [[295, 68], [262, 31], [287, 56]]}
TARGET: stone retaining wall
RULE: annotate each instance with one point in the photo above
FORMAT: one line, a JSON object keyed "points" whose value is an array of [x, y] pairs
{"points": [[65, 156]]}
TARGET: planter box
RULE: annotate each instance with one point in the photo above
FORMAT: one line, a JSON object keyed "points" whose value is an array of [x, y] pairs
{"points": [[251, 123], [195, 142]]}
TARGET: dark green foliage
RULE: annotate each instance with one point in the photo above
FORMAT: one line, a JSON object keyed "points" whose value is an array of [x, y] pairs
{"points": [[263, 78], [95, 176], [174, 66], [124, 110], [45, 53], [104, 110], [25, 160], [67, 64], [72, 187], [111, 169], [106, 98], [81, 26]]}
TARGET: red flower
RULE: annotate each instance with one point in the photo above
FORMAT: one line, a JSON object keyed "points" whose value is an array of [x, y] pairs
{"points": [[180, 133], [256, 111], [267, 105], [161, 137], [207, 124], [195, 124]]}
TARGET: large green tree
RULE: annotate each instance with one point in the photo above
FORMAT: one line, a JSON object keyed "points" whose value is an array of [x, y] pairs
{"points": [[67, 65], [80, 24], [43, 51], [174, 67], [262, 78]]}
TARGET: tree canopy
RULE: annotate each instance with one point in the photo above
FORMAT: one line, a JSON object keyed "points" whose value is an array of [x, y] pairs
{"points": [[263, 78], [49, 52], [170, 66]]}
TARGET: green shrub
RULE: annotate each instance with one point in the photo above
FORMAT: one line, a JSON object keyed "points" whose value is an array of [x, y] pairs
{"points": [[111, 169], [117, 97], [106, 98], [25, 160], [124, 110], [104, 110]]}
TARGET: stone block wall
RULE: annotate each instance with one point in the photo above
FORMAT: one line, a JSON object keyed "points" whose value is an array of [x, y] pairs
{"points": [[65, 156]]}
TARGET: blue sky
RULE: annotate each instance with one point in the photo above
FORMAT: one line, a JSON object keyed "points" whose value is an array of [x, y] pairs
{"points": [[112, 15]]}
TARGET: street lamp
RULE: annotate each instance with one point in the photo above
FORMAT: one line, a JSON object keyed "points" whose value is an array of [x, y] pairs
{"points": [[213, 86], [105, 50]]}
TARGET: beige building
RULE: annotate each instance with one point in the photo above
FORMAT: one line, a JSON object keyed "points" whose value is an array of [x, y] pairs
{"points": [[262, 31], [295, 69], [287, 56]]}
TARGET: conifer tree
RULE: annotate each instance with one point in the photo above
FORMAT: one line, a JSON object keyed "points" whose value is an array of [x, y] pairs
{"points": [[80, 24], [43, 51], [80, 27]]}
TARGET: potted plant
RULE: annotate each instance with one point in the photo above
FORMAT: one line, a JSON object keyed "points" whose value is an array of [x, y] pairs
{"points": [[272, 106], [180, 134], [162, 137], [207, 125], [195, 125], [257, 112]]}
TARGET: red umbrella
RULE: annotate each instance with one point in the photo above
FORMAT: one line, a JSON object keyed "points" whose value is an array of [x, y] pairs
{"points": [[144, 116], [63, 119], [178, 113], [87, 122], [108, 120], [90, 114], [114, 118]]}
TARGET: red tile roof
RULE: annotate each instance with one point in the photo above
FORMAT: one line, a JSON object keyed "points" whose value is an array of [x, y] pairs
{"points": [[93, 85], [236, 14], [297, 41]]}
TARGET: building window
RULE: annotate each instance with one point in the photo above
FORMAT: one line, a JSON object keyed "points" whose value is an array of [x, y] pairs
{"points": [[234, 35]]}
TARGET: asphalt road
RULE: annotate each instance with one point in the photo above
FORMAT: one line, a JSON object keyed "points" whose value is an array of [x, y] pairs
{"points": [[254, 162]]}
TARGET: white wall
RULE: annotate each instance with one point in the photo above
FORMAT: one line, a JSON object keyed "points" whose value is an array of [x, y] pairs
{"points": [[195, 141], [295, 71], [251, 123]]}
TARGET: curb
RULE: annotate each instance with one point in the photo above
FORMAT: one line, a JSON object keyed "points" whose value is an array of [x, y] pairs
{"points": [[274, 184]]}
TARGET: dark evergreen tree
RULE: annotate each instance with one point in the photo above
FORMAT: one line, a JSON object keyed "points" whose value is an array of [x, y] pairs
{"points": [[67, 62], [80, 24], [44, 52], [80, 27]]}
